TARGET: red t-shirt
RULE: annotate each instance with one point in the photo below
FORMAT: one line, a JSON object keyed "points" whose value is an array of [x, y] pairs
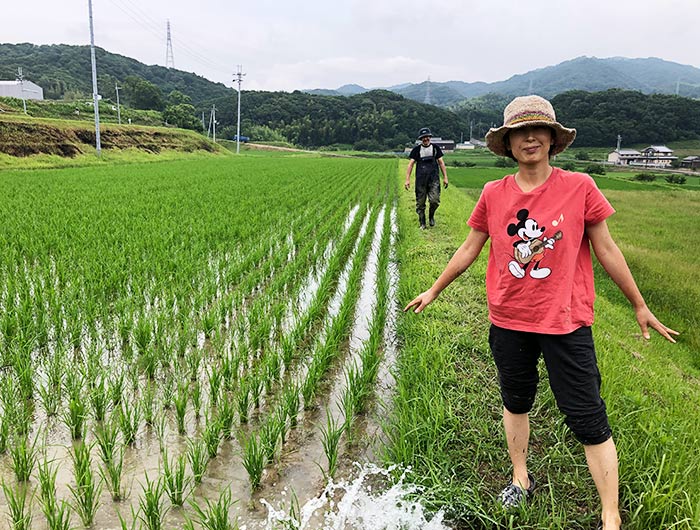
{"points": [[539, 276]]}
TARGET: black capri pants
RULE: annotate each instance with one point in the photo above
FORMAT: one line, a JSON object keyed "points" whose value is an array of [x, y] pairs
{"points": [[573, 376]]}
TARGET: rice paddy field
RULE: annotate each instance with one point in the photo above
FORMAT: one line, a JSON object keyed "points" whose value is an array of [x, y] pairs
{"points": [[206, 342], [181, 339]]}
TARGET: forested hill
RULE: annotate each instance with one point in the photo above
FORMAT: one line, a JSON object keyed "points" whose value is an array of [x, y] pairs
{"points": [[64, 71], [639, 118], [375, 120], [599, 117]]}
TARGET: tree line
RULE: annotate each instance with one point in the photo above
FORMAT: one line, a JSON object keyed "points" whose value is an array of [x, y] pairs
{"points": [[378, 120], [640, 119]]}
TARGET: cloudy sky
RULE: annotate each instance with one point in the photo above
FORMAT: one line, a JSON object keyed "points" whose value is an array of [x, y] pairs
{"points": [[288, 45]]}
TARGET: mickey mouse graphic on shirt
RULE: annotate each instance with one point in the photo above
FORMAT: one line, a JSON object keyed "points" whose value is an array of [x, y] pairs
{"points": [[529, 249]]}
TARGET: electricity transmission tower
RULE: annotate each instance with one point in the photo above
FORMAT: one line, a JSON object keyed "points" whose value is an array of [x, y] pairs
{"points": [[169, 58], [239, 80], [428, 98]]}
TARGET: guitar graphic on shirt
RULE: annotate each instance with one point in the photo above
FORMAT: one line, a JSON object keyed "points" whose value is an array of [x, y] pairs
{"points": [[536, 247]]}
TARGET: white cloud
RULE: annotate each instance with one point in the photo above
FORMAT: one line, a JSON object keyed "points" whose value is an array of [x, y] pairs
{"points": [[295, 45]]}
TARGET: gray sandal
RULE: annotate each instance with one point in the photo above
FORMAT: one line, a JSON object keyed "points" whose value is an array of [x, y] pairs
{"points": [[514, 496]]}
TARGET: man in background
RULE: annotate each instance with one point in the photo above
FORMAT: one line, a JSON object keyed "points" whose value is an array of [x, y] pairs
{"points": [[427, 158]]}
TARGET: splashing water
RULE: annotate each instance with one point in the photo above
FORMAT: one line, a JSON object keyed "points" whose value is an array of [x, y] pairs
{"points": [[354, 505]]}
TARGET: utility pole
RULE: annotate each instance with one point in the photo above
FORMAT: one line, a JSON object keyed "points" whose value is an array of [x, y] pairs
{"points": [[212, 122], [20, 80], [169, 58], [119, 112], [239, 79], [203, 125], [98, 144]]}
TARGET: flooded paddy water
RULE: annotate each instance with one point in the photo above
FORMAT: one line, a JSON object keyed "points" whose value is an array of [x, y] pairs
{"points": [[222, 368]]}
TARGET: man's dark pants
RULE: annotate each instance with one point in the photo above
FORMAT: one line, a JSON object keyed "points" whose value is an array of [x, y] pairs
{"points": [[429, 189]]}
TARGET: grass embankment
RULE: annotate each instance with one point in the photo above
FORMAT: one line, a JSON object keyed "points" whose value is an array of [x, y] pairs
{"points": [[27, 142], [447, 421], [80, 110]]}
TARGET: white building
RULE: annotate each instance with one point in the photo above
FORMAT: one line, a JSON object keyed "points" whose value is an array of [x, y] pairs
{"points": [[26, 90], [652, 156], [622, 157]]}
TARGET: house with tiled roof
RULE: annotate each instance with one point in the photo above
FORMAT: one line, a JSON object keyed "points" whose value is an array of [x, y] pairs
{"points": [[691, 162], [622, 157], [658, 156]]}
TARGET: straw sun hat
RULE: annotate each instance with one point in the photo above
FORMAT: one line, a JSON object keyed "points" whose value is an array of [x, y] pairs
{"points": [[529, 111]]}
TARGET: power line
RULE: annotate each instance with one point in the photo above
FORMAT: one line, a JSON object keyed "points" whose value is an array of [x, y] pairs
{"points": [[155, 23], [146, 22], [138, 20], [201, 59]]}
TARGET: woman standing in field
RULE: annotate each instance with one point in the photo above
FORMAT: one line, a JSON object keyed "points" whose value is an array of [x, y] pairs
{"points": [[542, 222]]}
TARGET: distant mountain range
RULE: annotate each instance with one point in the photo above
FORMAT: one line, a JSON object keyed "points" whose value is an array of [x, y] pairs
{"points": [[649, 76]]}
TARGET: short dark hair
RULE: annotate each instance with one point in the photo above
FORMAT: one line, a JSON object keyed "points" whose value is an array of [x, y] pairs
{"points": [[509, 153]]}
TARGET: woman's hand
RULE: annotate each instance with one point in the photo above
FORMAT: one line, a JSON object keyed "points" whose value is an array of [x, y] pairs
{"points": [[646, 319], [421, 301]]}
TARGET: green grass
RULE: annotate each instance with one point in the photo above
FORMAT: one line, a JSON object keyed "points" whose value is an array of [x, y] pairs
{"points": [[447, 417]]}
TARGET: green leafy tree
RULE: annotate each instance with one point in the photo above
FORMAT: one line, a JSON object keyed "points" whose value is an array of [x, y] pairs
{"points": [[595, 169], [504, 162], [263, 133], [142, 94], [183, 116], [178, 98]]}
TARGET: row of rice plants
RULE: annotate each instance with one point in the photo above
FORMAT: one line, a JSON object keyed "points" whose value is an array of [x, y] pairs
{"points": [[360, 377], [260, 448], [361, 368], [261, 451]]}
